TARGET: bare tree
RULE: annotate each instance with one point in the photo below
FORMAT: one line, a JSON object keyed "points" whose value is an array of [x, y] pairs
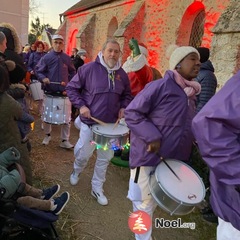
{"points": [[33, 7]]}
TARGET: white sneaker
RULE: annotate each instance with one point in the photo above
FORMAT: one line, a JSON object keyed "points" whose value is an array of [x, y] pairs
{"points": [[101, 198], [74, 178], [66, 144], [46, 140]]}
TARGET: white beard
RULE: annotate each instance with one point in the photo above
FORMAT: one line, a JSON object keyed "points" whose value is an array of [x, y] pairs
{"points": [[111, 63]]}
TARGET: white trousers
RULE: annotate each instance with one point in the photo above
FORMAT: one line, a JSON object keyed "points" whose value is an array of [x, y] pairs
{"points": [[83, 150], [226, 231], [65, 130], [140, 195]]}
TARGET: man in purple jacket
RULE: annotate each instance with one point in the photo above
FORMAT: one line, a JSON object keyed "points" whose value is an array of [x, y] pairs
{"points": [[159, 118], [217, 131], [100, 89], [57, 67]]}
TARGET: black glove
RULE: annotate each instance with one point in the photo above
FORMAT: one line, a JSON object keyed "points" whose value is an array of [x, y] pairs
{"points": [[133, 45]]}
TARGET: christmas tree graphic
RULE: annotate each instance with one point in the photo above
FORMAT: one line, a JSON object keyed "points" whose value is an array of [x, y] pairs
{"points": [[139, 222], [139, 225]]}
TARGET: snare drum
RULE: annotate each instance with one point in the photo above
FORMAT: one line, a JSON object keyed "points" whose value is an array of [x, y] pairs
{"points": [[36, 90], [109, 137], [177, 197], [56, 110]]}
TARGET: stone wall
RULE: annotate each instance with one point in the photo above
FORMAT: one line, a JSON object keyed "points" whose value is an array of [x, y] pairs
{"points": [[226, 42], [156, 23], [224, 53]]}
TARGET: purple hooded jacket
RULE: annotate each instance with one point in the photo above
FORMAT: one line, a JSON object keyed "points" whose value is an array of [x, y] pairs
{"points": [[161, 111], [217, 131], [58, 67], [92, 87], [34, 59]]}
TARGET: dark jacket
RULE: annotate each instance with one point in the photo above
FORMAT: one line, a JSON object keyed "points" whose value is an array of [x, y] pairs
{"points": [[208, 81], [77, 62], [10, 111], [17, 91]]}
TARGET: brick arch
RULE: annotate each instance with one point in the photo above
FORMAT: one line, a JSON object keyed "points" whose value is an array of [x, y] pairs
{"points": [[72, 41], [112, 27], [187, 22]]}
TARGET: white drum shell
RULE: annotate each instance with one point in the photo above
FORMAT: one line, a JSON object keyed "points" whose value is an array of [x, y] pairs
{"points": [[36, 90], [56, 110], [110, 136], [171, 203]]}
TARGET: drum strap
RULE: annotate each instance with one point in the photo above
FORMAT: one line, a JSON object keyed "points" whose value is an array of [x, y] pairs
{"points": [[137, 175]]}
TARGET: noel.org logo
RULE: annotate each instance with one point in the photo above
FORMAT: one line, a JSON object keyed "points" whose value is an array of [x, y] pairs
{"points": [[139, 222]]}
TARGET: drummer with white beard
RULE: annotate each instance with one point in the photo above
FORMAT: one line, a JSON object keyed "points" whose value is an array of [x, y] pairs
{"points": [[100, 89], [159, 118]]}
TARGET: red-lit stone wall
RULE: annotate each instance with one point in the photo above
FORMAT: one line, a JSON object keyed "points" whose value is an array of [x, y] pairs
{"points": [[156, 23]]}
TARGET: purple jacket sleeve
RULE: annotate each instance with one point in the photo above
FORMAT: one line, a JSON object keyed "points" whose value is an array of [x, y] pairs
{"points": [[41, 69], [217, 131], [73, 88], [136, 115]]}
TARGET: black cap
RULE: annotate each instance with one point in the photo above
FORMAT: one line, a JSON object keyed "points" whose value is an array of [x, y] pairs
{"points": [[204, 54]]}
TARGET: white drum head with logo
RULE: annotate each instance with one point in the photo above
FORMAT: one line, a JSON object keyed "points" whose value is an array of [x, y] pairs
{"points": [[189, 190]]}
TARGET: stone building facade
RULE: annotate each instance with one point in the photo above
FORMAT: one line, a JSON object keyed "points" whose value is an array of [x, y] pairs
{"points": [[16, 13], [226, 43], [156, 23]]}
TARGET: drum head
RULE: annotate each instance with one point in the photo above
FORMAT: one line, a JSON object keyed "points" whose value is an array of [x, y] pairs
{"points": [[109, 130], [190, 189]]}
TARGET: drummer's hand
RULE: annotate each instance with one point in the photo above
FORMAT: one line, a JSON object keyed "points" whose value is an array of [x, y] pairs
{"points": [[46, 81], [63, 84], [85, 112], [121, 113], [154, 146]]}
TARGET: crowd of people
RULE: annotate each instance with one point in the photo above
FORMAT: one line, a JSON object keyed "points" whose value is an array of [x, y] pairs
{"points": [[165, 115]]}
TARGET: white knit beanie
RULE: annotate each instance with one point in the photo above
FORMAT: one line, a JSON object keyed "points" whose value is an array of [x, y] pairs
{"points": [[179, 54]]}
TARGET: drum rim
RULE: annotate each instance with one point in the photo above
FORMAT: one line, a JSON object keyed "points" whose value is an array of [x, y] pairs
{"points": [[51, 96], [191, 206], [112, 135]]}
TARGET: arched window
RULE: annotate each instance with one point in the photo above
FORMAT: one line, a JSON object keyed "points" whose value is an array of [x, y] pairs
{"points": [[112, 27], [197, 30], [72, 43], [191, 29]]}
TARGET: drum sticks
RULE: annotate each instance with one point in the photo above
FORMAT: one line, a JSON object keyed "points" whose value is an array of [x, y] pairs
{"points": [[169, 167], [58, 83], [99, 121], [116, 123], [171, 170]]}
